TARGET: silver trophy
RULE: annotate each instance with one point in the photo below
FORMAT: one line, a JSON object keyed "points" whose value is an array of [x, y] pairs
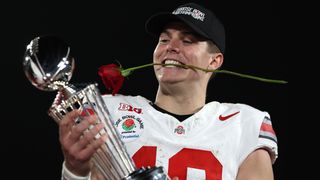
{"points": [[48, 65]]}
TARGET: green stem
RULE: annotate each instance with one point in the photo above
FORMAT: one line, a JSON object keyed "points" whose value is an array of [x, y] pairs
{"points": [[252, 77], [128, 71], [139, 67]]}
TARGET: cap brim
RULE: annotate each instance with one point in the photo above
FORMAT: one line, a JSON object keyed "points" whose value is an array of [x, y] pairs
{"points": [[156, 23]]}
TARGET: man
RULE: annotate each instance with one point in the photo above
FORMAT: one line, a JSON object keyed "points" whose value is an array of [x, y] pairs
{"points": [[179, 131]]}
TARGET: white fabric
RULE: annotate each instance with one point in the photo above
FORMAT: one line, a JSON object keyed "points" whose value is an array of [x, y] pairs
{"points": [[201, 139], [68, 175]]}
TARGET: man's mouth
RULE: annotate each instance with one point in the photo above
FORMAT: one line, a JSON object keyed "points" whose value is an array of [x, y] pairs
{"points": [[172, 63]]}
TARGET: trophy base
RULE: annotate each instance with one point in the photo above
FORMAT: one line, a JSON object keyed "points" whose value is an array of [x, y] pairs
{"points": [[149, 173]]}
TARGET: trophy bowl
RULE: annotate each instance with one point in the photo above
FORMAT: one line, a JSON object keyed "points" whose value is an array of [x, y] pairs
{"points": [[48, 62]]}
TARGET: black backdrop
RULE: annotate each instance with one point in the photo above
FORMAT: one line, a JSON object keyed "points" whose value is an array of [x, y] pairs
{"points": [[106, 32]]}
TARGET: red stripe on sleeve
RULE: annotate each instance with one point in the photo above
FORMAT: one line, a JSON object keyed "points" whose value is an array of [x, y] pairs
{"points": [[267, 127]]}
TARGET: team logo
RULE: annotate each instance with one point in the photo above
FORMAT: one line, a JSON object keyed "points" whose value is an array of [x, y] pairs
{"points": [[179, 130], [130, 127], [128, 107]]}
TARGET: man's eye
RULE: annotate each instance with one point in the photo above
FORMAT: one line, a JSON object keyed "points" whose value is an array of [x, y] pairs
{"points": [[187, 41], [163, 40]]}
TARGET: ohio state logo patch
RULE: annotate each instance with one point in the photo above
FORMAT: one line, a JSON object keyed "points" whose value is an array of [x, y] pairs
{"points": [[179, 130], [130, 127]]}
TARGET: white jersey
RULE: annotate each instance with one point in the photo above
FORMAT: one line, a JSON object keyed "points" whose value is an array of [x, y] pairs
{"points": [[210, 144]]}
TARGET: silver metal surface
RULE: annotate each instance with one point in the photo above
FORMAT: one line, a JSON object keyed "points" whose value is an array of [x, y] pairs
{"points": [[48, 65]]}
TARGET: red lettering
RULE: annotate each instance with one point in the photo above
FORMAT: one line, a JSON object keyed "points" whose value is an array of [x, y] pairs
{"points": [[179, 163], [127, 107], [145, 156]]}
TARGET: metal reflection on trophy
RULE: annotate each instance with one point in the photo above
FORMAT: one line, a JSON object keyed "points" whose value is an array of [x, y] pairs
{"points": [[48, 64]]}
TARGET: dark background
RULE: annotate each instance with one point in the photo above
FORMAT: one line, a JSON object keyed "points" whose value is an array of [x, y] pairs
{"points": [[106, 32]]}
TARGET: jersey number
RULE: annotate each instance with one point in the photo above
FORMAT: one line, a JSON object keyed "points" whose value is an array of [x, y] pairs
{"points": [[179, 162]]}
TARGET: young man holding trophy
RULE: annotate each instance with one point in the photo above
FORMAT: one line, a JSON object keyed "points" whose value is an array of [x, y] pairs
{"points": [[179, 131]]}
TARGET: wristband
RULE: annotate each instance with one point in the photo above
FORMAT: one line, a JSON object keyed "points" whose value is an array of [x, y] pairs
{"points": [[68, 175]]}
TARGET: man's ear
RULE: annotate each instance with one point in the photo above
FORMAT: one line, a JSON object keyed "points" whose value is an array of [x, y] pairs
{"points": [[216, 61]]}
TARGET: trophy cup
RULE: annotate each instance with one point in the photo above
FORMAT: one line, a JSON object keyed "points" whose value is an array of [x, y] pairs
{"points": [[48, 65]]}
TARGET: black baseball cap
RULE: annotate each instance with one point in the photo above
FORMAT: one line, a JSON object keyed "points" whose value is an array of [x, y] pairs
{"points": [[201, 20]]}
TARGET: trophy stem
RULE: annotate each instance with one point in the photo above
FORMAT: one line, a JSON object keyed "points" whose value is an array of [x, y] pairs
{"points": [[113, 149], [104, 166]]}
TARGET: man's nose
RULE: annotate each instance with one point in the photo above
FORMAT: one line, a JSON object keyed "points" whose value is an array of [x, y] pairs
{"points": [[173, 46]]}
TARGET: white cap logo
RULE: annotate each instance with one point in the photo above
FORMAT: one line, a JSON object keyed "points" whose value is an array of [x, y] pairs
{"points": [[195, 13]]}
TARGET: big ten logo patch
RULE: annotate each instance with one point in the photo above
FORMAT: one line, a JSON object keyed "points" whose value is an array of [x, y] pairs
{"points": [[128, 107], [130, 127]]}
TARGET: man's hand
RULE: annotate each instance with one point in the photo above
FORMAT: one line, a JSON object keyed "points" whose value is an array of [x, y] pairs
{"points": [[79, 142]]}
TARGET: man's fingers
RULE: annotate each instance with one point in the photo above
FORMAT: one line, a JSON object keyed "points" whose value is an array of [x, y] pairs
{"points": [[89, 136], [94, 146], [67, 122], [71, 131]]}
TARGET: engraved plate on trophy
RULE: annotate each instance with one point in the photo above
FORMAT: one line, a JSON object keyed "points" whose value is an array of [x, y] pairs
{"points": [[48, 65]]}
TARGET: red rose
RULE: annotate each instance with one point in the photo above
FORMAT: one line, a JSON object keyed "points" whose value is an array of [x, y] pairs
{"points": [[111, 77]]}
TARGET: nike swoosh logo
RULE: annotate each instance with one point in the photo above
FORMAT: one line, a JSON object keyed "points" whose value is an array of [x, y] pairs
{"points": [[223, 118]]}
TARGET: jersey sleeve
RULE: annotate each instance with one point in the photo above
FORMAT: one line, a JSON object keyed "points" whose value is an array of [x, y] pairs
{"points": [[256, 133], [267, 138]]}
